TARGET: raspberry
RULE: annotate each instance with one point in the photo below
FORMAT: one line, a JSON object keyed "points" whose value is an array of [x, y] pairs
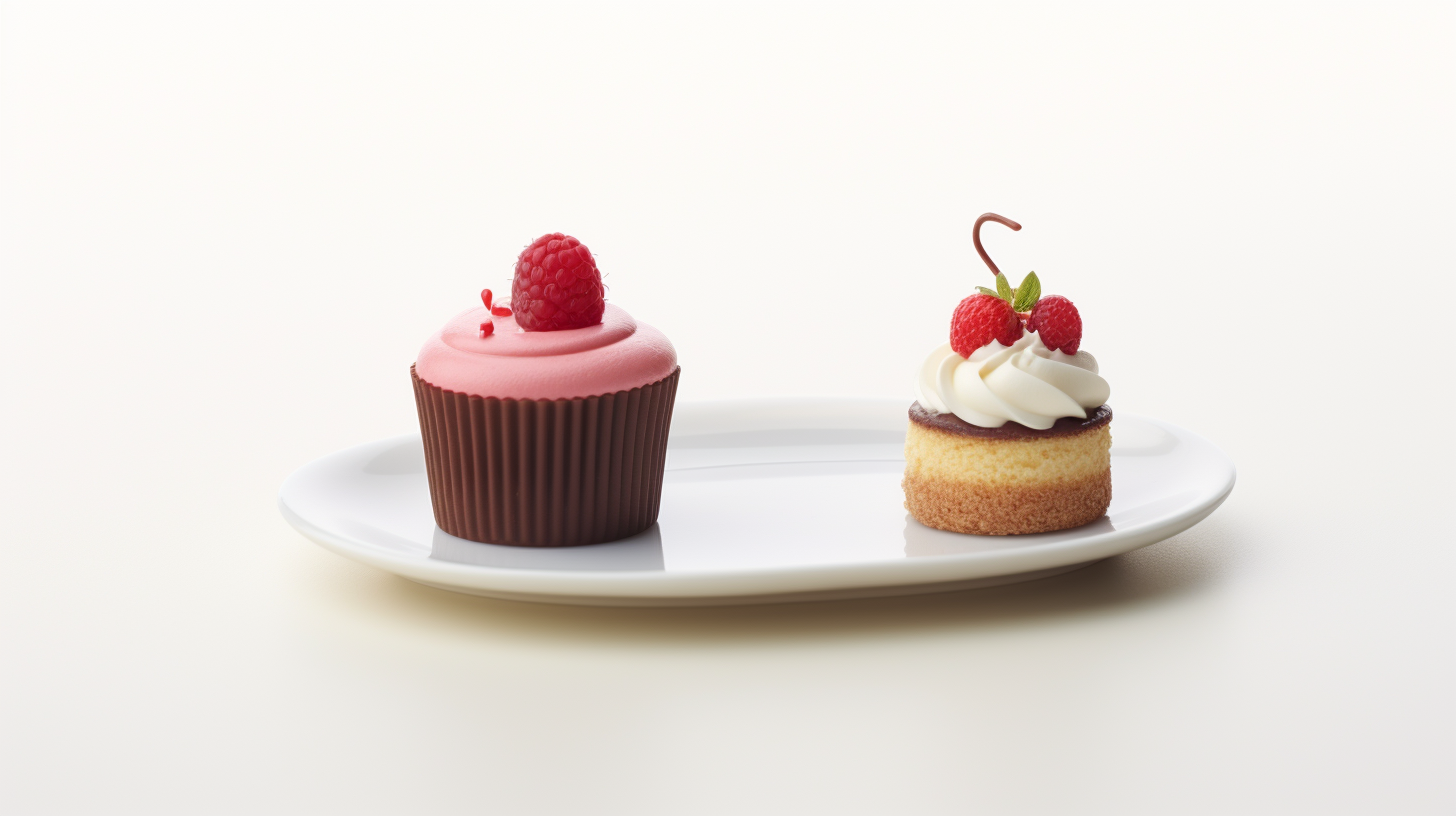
{"points": [[978, 320], [1056, 321], [557, 285]]}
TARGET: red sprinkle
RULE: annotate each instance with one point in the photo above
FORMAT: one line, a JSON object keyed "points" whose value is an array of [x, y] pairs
{"points": [[500, 310], [487, 328], [486, 297]]}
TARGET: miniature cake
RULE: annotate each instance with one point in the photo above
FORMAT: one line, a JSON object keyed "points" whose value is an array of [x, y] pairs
{"points": [[1010, 432], [545, 420]]}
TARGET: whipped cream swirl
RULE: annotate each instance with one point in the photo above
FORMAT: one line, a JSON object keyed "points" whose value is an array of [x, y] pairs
{"points": [[1025, 382]]}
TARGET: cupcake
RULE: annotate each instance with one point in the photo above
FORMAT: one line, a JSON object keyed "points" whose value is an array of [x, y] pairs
{"points": [[545, 419], [1010, 432]]}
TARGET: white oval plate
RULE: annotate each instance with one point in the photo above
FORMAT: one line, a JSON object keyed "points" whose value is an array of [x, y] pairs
{"points": [[763, 501]]}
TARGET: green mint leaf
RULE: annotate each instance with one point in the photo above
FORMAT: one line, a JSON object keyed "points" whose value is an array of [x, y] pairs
{"points": [[1003, 288], [1027, 294], [983, 290]]}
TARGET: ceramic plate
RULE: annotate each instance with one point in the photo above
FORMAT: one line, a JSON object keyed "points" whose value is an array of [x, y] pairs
{"points": [[764, 500]]}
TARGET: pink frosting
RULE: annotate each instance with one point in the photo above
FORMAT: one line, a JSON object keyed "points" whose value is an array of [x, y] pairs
{"points": [[616, 355]]}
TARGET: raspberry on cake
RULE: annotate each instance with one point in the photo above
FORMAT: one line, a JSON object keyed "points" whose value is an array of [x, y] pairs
{"points": [[980, 319], [1057, 321], [1010, 432], [557, 285]]}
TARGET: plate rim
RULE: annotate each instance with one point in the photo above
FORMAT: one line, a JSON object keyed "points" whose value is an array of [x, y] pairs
{"points": [[737, 583]]}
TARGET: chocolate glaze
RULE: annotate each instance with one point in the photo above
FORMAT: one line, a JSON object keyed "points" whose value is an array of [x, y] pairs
{"points": [[1066, 426]]}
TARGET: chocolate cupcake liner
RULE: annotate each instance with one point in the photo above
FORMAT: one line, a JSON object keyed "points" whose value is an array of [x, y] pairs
{"points": [[545, 473]]}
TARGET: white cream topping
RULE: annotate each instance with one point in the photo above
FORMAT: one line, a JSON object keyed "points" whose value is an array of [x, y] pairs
{"points": [[1025, 382]]}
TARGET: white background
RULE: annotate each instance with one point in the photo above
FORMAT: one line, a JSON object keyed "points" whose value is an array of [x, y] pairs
{"points": [[228, 227]]}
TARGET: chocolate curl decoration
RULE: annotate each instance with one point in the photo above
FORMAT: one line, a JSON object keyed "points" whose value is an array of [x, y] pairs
{"points": [[976, 236]]}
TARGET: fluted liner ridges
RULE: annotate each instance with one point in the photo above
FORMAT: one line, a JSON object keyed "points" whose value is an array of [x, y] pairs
{"points": [[545, 473]]}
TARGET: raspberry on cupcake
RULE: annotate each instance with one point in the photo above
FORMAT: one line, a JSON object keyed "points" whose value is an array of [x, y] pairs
{"points": [[557, 286], [1010, 432]]}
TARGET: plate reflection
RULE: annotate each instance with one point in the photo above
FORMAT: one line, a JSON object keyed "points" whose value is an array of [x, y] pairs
{"points": [[642, 552]]}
